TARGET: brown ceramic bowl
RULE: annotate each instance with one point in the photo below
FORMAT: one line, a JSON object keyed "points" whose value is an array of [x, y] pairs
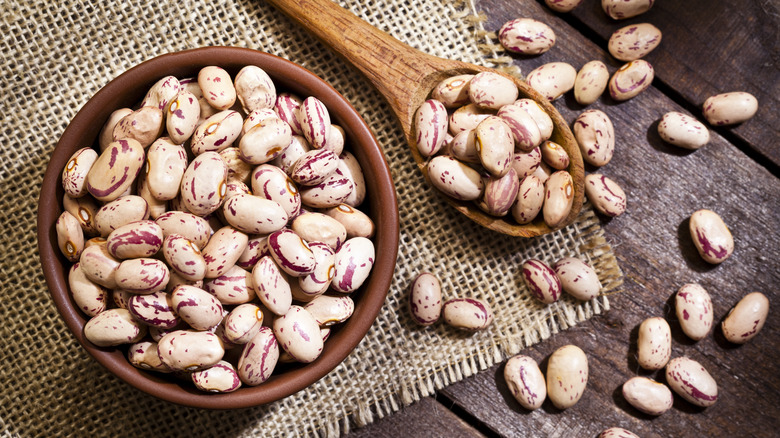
{"points": [[126, 91]]}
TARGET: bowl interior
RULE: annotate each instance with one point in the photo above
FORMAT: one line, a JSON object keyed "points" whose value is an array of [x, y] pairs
{"points": [[381, 205]]}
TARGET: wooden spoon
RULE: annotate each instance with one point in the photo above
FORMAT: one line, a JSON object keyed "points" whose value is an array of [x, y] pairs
{"points": [[405, 77]]}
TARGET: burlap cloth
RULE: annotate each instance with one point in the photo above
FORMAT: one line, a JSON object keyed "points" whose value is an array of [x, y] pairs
{"points": [[56, 54]]}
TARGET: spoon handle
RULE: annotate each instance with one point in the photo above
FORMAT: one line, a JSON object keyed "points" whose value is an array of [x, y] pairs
{"points": [[402, 74]]}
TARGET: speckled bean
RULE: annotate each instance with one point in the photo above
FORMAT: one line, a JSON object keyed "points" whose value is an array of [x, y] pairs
{"points": [[142, 275], [328, 310], [530, 198], [647, 395], [541, 281], [654, 344], [143, 125], [184, 257], [194, 228], [286, 107], [259, 357], [154, 310], [115, 170], [622, 9], [299, 334], [558, 198], [491, 90], [217, 132], [349, 167], [526, 163], [605, 195], [255, 117], [430, 127], [562, 5], [596, 136], [184, 350], [746, 318], [219, 378], [162, 93], [425, 303], [632, 42], [590, 83], [223, 249], [256, 248], [196, 307], [106, 135], [567, 376], [711, 236], [243, 323], [683, 130], [577, 278], [525, 381], [90, 297], [253, 214], [354, 261], [233, 287], [318, 281], [543, 120], [691, 381], [693, 307], [495, 145], [336, 139], [70, 236], [730, 108], [463, 147], [453, 91], [265, 141], [526, 36], [552, 80], [314, 167], [319, 227], [315, 121], [357, 223], [99, 265], [136, 239], [204, 184], [238, 169], [291, 252], [156, 207], [500, 194], [119, 212], [617, 432], [182, 117], [470, 314], [144, 355], [333, 191], [74, 175], [272, 286], [468, 117], [165, 166], [272, 183], [554, 155], [84, 209], [631, 79], [525, 131], [217, 87], [113, 327], [454, 178], [254, 88]]}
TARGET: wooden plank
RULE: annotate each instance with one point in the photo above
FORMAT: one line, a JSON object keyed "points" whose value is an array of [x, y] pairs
{"points": [[425, 418], [712, 47]]}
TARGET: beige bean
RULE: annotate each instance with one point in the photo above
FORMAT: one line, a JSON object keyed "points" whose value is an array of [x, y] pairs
{"points": [[526, 163], [530, 198], [526, 36], [119, 212], [286, 107], [259, 358], [256, 248], [143, 125], [314, 167], [154, 310], [255, 117], [567, 376], [121, 298], [315, 121], [204, 184], [635, 41], [605, 195], [453, 91], [217, 87], [541, 281], [90, 297], [525, 131], [558, 198], [746, 318], [254, 88], [463, 147], [113, 327], [631, 79], [196, 307], [165, 166], [622, 9], [106, 135], [336, 139], [525, 381], [217, 132], [144, 355], [84, 209], [647, 395], [596, 136], [491, 90], [468, 117], [74, 175], [238, 169], [136, 239], [233, 287], [223, 249], [291, 253], [333, 191], [552, 80], [425, 304], [162, 93], [495, 145], [243, 323], [562, 5], [142, 275], [683, 130], [194, 228], [99, 265], [543, 120], [430, 127], [554, 155], [272, 286], [182, 117], [253, 214], [577, 278], [617, 432], [500, 194], [590, 83], [691, 381], [265, 141], [350, 168], [328, 310], [654, 344], [454, 178], [319, 227], [115, 170], [357, 223], [693, 307], [156, 207], [219, 378], [470, 314], [184, 257], [183, 350], [730, 108], [354, 261], [711, 236], [272, 183], [299, 334], [318, 281], [70, 236]]}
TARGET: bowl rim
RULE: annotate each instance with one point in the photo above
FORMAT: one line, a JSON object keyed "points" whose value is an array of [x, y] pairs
{"points": [[385, 215]]}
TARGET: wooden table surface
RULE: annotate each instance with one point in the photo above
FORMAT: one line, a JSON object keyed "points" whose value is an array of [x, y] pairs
{"points": [[708, 47]]}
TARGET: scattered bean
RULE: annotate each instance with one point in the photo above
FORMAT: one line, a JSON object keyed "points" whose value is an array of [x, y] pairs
{"points": [[567, 376], [691, 381], [631, 79], [730, 108], [711, 237], [491, 90], [622, 9], [647, 395], [693, 307], [596, 136], [746, 318], [425, 303], [634, 41], [683, 130], [590, 82], [113, 327], [617, 432], [526, 36], [552, 80], [654, 345], [470, 314], [525, 381], [605, 194], [577, 278]]}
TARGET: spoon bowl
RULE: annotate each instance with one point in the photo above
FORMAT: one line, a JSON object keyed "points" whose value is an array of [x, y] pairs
{"points": [[405, 76]]}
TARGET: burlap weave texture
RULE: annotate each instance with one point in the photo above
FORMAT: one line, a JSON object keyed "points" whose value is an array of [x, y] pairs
{"points": [[55, 55]]}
